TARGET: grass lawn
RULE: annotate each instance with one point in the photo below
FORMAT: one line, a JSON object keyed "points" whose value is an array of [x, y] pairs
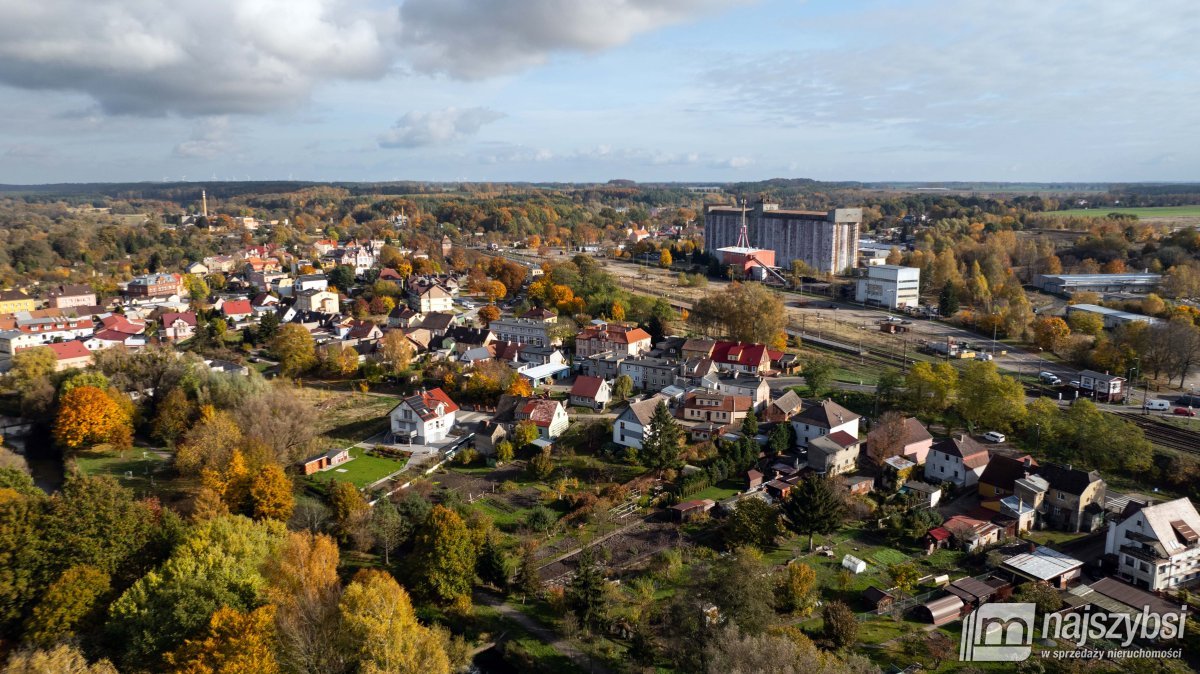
{"points": [[1051, 537], [362, 470], [348, 418], [503, 514], [142, 464], [717, 492]]}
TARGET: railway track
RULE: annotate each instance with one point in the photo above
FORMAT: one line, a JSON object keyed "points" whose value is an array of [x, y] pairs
{"points": [[1164, 434]]}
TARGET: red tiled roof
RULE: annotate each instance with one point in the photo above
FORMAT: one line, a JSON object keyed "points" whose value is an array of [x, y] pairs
{"points": [[586, 387], [539, 411], [843, 438], [739, 353], [426, 402], [187, 317], [620, 334], [69, 350], [939, 534], [236, 308]]}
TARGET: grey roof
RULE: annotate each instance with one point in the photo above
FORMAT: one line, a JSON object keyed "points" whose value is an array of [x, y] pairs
{"points": [[1067, 479], [642, 410], [826, 414], [1043, 563]]}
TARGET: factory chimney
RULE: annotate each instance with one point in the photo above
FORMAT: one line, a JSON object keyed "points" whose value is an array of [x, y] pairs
{"points": [[203, 203]]}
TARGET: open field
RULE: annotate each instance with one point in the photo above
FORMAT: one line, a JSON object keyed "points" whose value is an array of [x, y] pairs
{"points": [[1151, 213], [135, 468]]}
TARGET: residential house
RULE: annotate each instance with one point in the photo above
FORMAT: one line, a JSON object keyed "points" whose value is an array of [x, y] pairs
{"points": [[30, 332], [606, 365], [461, 338], [12, 301], [439, 323], [694, 370], [833, 454], [177, 326], [264, 303], [71, 354], [697, 348], [913, 444], [542, 314], [424, 418], [197, 269], [630, 425], [649, 374], [540, 355], [549, 416], [823, 418], [739, 357], [319, 301], [1157, 547], [236, 311], [783, 408], [65, 296], [738, 384], [958, 460], [150, 285], [532, 331], [310, 282], [117, 330], [590, 392], [403, 316], [432, 298], [1074, 500], [857, 484], [718, 409], [972, 533], [623, 338], [488, 435], [999, 478]]}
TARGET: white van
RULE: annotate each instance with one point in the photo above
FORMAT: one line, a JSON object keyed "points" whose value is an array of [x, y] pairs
{"points": [[1158, 405], [1049, 378]]}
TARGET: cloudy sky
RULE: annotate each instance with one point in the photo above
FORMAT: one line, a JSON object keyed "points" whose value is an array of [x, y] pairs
{"points": [[583, 90]]}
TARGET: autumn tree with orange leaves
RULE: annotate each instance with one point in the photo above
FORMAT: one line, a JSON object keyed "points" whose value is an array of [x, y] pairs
{"points": [[235, 641], [87, 416]]}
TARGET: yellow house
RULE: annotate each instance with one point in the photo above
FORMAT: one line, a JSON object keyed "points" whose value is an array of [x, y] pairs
{"points": [[12, 301]]}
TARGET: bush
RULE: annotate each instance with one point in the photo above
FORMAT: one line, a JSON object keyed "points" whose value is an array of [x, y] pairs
{"points": [[466, 457], [541, 519]]}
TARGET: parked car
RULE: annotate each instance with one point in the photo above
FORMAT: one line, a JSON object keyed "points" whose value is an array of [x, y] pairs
{"points": [[1075, 384], [994, 436], [1049, 378], [1184, 412], [983, 356]]}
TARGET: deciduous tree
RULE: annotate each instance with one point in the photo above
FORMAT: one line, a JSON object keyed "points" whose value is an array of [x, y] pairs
{"points": [[70, 602], [86, 416], [293, 346], [445, 556], [271, 494], [235, 641], [383, 631]]}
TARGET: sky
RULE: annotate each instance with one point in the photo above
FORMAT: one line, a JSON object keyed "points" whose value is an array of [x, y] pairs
{"points": [[592, 90]]}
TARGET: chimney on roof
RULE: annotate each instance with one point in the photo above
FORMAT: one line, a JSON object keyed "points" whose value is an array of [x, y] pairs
{"points": [[1068, 466], [1028, 461], [1032, 547]]}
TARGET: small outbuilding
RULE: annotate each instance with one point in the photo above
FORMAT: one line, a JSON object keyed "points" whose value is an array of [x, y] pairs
{"points": [[690, 510], [877, 599], [944, 610]]}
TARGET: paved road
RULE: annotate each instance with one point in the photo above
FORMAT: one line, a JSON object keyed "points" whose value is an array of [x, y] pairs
{"points": [[581, 659]]}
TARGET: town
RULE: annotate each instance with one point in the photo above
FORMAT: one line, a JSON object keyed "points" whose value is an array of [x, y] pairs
{"points": [[563, 429]]}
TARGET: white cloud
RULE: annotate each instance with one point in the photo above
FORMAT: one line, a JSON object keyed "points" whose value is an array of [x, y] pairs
{"points": [[420, 129], [192, 57], [474, 39], [212, 57], [209, 140]]}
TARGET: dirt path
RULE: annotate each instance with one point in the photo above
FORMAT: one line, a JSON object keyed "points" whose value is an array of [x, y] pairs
{"points": [[548, 636]]}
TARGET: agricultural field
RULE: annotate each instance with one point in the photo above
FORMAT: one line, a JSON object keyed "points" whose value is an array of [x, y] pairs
{"points": [[1173, 213]]}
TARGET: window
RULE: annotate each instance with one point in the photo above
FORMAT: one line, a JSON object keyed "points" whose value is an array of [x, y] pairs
{"points": [[1062, 496], [1128, 561]]}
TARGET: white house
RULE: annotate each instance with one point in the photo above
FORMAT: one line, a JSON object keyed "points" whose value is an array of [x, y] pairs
{"points": [[958, 460], [592, 392], [824, 418], [433, 298], [833, 454], [1157, 546], [630, 426], [737, 384], [424, 418], [549, 416]]}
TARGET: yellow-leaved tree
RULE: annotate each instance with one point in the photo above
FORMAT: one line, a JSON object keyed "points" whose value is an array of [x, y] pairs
{"points": [[86, 416]]}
